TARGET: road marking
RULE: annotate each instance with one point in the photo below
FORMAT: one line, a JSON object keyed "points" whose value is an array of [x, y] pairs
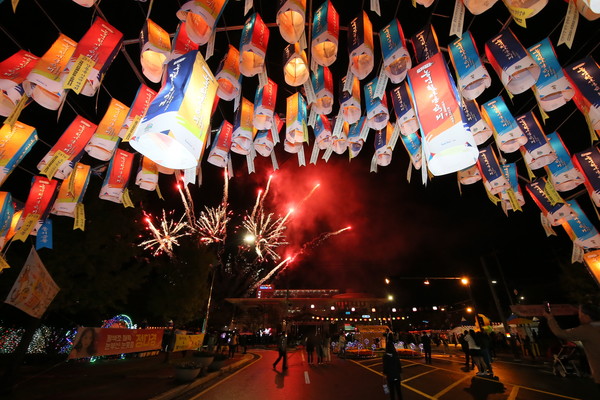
{"points": [[302, 354], [227, 378], [418, 375], [550, 393], [417, 391], [513, 393], [448, 388], [306, 378]]}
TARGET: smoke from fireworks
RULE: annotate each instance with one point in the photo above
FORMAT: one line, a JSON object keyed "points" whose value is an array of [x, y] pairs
{"points": [[165, 236]]}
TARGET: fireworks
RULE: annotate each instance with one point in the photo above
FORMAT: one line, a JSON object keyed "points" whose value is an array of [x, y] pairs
{"points": [[165, 237], [211, 226]]}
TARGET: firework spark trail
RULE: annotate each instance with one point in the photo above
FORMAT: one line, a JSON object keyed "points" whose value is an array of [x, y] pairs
{"points": [[257, 285], [212, 223], [165, 237], [188, 212]]}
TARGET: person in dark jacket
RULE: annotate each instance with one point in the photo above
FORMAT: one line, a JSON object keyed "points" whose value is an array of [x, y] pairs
{"points": [[426, 341], [392, 370], [282, 349]]}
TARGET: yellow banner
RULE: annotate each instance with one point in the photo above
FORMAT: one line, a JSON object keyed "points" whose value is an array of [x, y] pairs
{"points": [[79, 222], [77, 76], [3, 264], [54, 164], [27, 227], [492, 198], [72, 180], [567, 34], [126, 199], [188, 342], [16, 112], [160, 196], [520, 14], [552, 194], [514, 202]]}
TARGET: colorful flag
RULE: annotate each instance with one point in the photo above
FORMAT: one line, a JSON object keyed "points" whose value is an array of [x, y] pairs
{"points": [[264, 105], [138, 109], [221, 144], [494, 179], [243, 130], [425, 44], [477, 125], [322, 82], [377, 110], [37, 207]]}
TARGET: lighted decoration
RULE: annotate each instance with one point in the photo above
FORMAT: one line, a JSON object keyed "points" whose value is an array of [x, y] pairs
{"points": [[555, 209], [295, 65], [585, 77], [581, 231], [6, 212], [477, 7], [377, 110], [37, 207], [229, 76], [13, 226], [477, 125], [69, 148], [243, 130], [561, 172], [385, 141], [174, 131], [295, 119], [512, 62], [509, 136], [86, 3], [425, 3], [448, 145], [13, 71], [181, 44], [322, 82], [138, 109], [44, 83], [406, 118], [588, 163], [117, 176], [339, 142], [396, 59], [525, 8], [425, 44], [412, 144], [322, 131], [265, 140], [72, 190], [469, 176], [350, 101], [589, 9], [156, 50], [290, 19], [253, 46], [16, 141], [473, 77], [221, 144], [491, 172], [360, 46], [147, 175], [264, 105], [356, 137], [105, 140], [101, 44], [538, 151], [325, 33], [201, 17], [512, 199]]}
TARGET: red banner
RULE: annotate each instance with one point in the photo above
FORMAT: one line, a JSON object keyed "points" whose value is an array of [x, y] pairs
{"points": [[109, 341]]}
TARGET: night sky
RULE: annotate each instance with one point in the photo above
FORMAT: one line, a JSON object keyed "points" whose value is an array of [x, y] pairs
{"points": [[399, 229]]}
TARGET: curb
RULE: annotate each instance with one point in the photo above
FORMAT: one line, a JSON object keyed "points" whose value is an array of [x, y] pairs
{"points": [[184, 388]]}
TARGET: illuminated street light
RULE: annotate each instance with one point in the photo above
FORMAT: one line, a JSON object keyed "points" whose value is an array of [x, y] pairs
{"points": [[414, 309], [494, 282], [469, 310], [373, 309], [353, 309], [387, 281], [426, 282], [332, 308], [390, 297], [434, 308], [394, 309], [312, 306], [464, 281]]}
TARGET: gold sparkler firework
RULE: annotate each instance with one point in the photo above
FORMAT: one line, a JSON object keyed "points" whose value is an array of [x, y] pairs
{"points": [[212, 223], [165, 237]]}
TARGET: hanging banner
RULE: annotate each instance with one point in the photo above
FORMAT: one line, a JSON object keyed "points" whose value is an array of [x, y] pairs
{"points": [[556, 212], [473, 77], [13, 72], [253, 46], [34, 289], [512, 199], [396, 59], [90, 342], [290, 19], [477, 125], [141, 103], [377, 110], [325, 33], [43, 238], [243, 130], [201, 17], [219, 151], [188, 342], [117, 176], [71, 191], [229, 76], [15, 143], [360, 46], [322, 82], [538, 151], [155, 43], [174, 131], [469, 175], [39, 201], [406, 118], [181, 44], [6, 212], [562, 173], [585, 78], [581, 231], [106, 138], [588, 163], [350, 101], [509, 136], [264, 105], [295, 119], [492, 174], [448, 145], [147, 176], [412, 144], [512, 62]]}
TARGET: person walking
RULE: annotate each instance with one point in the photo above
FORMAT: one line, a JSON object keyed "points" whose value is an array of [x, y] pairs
{"points": [[392, 369], [426, 341], [282, 349], [327, 348], [342, 345], [233, 344], [475, 352], [310, 348]]}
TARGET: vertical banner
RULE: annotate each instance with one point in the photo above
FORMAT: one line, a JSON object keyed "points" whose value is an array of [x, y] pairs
{"points": [[15, 142], [512, 199], [117, 176], [295, 119], [412, 144], [325, 33]]}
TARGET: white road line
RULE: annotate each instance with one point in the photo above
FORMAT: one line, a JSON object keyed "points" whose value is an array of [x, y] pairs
{"points": [[513, 393], [306, 378]]}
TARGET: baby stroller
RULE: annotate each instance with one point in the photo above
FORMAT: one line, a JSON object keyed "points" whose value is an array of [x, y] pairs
{"points": [[566, 362]]}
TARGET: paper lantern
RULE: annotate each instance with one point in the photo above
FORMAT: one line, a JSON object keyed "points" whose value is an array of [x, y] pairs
{"points": [[322, 82], [356, 137], [562, 173], [37, 206], [156, 50], [253, 46], [396, 59], [147, 176], [44, 83], [509, 136], [449, 146], [585, 9], [322, 130], [384, 145], [512, 62], [219, 151], [491, 172], [406, 118], [15, 142], [292, 147], [527, 8], [360, 46], [13, 71], [69, 148], [71, 192], [141, 103], [556, 212], [117, 176], [588, 163], [295, 65], [585, 78], [477, 125], [290, 19], [425, 3], [412, 144], [473, 77], [85, 3], [229, 76], [581, 231], [477, 7], [538, 151], [182, 44], [425, 44], [6, 212], [295, 119], [512, 199], [469, 176], [264, 105], [101, 44], [553, 90], [339, 143], [265, 140], [325, 33], [173, 132], [13, 227], [106, 138], [350, 101], [243, 130], [201, 17], [377, 110]]}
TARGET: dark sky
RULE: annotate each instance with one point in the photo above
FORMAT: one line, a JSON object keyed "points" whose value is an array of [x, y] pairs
{"points": [[399, 229]]}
